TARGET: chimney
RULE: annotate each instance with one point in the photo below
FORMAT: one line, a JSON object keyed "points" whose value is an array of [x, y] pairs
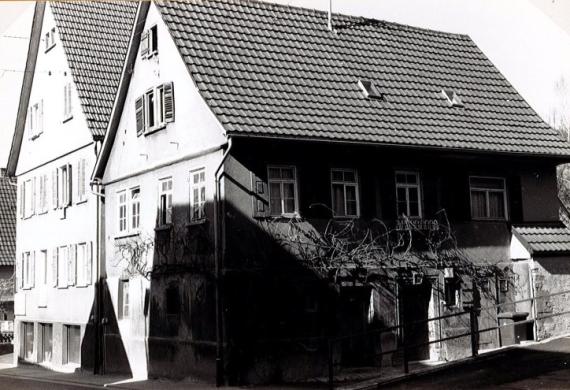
{"points": [[330, 25]]}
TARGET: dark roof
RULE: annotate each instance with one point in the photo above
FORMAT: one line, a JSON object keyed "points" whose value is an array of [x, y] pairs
{"points": [[95, 37], [275, 70], [7, 221], [545, 239]]}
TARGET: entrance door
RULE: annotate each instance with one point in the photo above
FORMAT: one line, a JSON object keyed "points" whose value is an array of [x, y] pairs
{"points": [[415, 304]]}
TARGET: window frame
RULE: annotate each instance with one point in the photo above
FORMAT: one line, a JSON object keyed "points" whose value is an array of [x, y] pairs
{"points": [[130, 212], [169, 191], [124, 310], [49, 37], [124, 220], [407, 187], [67, 101], [35, 119], [158, 111], [295, 213], [201, 202], [487, 190], [355, 184]]}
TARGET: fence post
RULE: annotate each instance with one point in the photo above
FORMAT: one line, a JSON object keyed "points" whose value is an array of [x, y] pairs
{"points": [[331, 364], [473, 326]]}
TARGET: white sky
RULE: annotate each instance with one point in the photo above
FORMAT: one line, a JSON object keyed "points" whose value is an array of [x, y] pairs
{"points": [[528, 40]]}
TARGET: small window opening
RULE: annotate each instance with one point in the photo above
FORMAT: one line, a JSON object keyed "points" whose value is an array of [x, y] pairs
{"points": [[452, 97], [370, 89]]}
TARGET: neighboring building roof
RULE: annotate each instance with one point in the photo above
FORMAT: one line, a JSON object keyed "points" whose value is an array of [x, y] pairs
{"points": [[275, 70], [95, 37], [544, 239], [7, 221]]}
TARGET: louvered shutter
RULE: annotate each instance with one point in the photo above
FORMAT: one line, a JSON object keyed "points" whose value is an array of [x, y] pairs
{"points": [[81, 179], [144, 44], [89, 263], [21, 271], [54, 189], [54, 267], [69, 185], [260, 196], [78, 181], [41, 118], [168, 102], [32, 265], [139, 111], [22, 200], [34, 197], [71, 264]]}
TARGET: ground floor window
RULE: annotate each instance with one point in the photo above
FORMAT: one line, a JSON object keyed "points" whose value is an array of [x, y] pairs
{"points": [[71, 344], [27, 340], [46, 345]]}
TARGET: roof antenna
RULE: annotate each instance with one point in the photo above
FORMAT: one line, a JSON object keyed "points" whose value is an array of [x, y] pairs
{"points": [[330, 25]]}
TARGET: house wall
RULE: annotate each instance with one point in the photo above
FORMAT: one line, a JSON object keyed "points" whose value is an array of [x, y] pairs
{"points": [[75, 224], [155, 342]]}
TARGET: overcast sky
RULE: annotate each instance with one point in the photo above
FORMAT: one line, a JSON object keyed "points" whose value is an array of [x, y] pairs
{"points": [[528, 40]]}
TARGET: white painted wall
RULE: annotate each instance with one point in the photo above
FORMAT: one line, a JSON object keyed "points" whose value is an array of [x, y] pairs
{"points": [[59, 144]]}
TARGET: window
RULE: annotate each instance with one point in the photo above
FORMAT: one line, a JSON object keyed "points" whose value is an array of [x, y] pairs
{"points": [[50, 39], [197, 194], [165, 202], [46, 345], [27, 340], [71, 344], [36, 120], [370, 89], [122, 211], [42, 272], [453, 99], [344, 193], [67, 105], [62, 266], [135, 207], [28, 192], [61, 186], [81, 181], [488, 198], [83, 264], [124, 300], [27, 270], [43, 205], [149, 42], [408, 194], [282, 190], [452, 290], [155, 108]]}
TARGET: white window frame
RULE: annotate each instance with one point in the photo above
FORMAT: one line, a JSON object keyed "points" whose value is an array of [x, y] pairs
{"points": [[49, 39], [345, 184], [28, 270], [124, 300], [131, 213], [29, 198], [167, 212], [67, 101], [197, 209], [64, 186], [281, 182], [35, 119], [122, 212], [157, 108], [408, 187], [487, 191], [81, 181], [42, 196]]}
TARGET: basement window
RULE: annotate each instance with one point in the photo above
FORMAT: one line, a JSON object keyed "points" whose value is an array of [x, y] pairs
{"points": [[453, 99], [370, 89]]}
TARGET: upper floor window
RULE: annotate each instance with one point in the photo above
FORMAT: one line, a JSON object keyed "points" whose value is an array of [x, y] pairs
{"points": [[165, 202], [81, 181], [197, 194], [155, 108], [83, 263], [67, 106], [345, 202], [122, 211], [124, 303], [50, 39], [36, 119], [149, 42], [27, 198], [62, 186], [42, 201], [408, 194], [135, 208], [27, 270], [282, 190], [488, 198]]}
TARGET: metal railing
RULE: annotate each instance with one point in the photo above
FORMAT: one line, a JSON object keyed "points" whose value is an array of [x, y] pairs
{"points": [[403, 346]]}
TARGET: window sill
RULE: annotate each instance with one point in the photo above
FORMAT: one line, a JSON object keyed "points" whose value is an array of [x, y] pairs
{"points": [[163, 228], [126, 235], [81, 201], [36, 136], [49, 48], [197, 222], [155, 129], [67, 119], [62, 287]]}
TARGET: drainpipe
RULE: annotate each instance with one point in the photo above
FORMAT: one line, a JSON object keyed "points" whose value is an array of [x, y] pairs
{"points": [[98, 368], [218, 257]]}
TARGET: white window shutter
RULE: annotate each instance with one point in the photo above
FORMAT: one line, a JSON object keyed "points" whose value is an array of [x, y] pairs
{"points": [[22, 199], [168, 102], [71, 264], [41, 118], [69, 186], [89, 263], [54, 189], [21, 271], [34, 197], [54, 267], [139, 112], [32, 281], [144, 44]]}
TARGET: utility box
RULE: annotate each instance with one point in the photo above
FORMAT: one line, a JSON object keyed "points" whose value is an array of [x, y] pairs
{"points": [[511, 331]]}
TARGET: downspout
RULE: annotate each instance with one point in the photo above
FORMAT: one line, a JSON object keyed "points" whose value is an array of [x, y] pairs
{"points": [[98, 368], [218, 254]]}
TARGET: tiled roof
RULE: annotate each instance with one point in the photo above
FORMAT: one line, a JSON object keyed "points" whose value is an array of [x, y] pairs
{"points": [[95, 37], [275, 70], [544, 239], [7, 221]]}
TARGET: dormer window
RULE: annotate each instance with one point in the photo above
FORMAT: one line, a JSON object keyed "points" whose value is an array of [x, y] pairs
{"points": [[452, 97], [370, 89], [149, 43], [50, 39]]}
